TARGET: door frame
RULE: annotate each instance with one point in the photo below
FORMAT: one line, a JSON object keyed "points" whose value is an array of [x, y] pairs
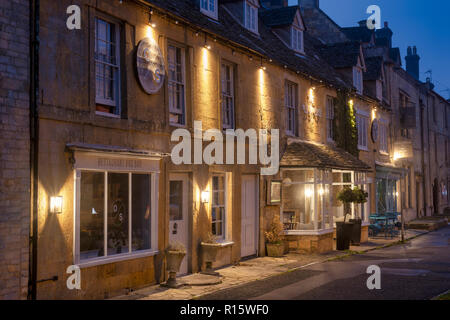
{"points": [[189, 223], [257, 213]]}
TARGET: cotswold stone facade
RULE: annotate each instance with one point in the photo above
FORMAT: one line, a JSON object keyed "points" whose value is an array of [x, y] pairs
{"points": [[14, 148], [110, 198]]}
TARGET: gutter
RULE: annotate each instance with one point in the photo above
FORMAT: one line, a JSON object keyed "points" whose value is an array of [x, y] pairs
{"points": [[34, 146]]}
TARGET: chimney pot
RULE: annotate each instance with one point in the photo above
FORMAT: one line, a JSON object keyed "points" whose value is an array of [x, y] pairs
{"points": [[386, 24]]}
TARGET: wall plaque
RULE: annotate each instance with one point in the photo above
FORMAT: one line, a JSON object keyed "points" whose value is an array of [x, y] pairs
{"points": [[150, 66]]}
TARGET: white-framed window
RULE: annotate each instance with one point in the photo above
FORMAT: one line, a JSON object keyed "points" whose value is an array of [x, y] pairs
{"points": [[107, 67], [297, 39], [116, 215], [330, 118], [358, 79], [251, 17], [227, 96], [362, 124], [209, 7], [218, 206], [177, 102], [291, 105], [383, 129]]}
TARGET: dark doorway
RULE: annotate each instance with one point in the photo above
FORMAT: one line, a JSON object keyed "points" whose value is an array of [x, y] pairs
{"points": [[436, 196]]}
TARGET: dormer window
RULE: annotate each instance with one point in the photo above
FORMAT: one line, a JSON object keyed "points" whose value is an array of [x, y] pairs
{"points": [[209, 8], [297, 39], [358, 79], [251, 16]]}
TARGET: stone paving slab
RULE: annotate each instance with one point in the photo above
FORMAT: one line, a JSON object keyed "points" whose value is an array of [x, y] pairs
{"points": [[252, 270]]}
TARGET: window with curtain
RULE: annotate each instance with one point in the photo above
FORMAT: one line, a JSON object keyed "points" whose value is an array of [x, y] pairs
{"points": [[227, 97], [251, 17], [291, 105], [176, 83], [330, 118], [107, 67], [218, 206]]}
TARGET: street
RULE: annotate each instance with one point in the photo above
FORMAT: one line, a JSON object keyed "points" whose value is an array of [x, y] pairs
{"points": [[417, 270]]}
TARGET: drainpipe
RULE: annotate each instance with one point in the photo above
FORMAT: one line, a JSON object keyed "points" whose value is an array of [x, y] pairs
{"points": [[34, 145]]}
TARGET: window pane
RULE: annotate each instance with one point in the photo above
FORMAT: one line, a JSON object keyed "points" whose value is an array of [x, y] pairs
{"points": [[117, 213], [176, 200], [92, 207], [141, 212]]}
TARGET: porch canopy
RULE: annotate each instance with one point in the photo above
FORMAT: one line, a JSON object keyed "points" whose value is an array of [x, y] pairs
{"points": [[313, 155], [313, 174]]}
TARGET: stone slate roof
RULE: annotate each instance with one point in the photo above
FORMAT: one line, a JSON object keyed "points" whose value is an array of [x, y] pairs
{"points": [[304, 154], [362, 34], [279, 17], [374, 71], [341, 55], [267, 44]]}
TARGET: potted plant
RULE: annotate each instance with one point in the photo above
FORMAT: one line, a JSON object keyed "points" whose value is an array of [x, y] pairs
{"points": [[351, 230], [210, 247], [175, 254], [274, 239]]}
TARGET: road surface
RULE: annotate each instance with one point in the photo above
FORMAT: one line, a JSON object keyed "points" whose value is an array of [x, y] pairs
{"points": [[419, 269]]}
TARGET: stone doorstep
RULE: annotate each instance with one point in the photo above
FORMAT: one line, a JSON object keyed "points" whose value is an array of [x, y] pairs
{"points": [[428, 224]]}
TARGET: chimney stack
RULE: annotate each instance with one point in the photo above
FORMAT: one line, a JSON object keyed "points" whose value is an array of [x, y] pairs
{"points": [[308, 4], [412, 62], [274, 4]]}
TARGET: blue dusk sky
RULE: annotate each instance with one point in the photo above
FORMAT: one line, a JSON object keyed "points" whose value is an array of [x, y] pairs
{"points": [[425, 24]]}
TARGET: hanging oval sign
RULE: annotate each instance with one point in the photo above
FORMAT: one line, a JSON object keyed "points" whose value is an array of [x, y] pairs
{"points": [[375, 130], [150, 66]]}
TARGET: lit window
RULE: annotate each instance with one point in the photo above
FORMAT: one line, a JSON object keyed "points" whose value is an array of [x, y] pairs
{"points": [[362, 123], [218, 206], [330, 118], [209, 7], [297, 39], [251, 17], [227, 81], [358, 80], [115, 214], [176, 61], [107, 67], [291, 102]]}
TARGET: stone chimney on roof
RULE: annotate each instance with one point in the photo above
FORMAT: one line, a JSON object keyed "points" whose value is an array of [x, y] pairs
{"points": [[308, 3], [274, 4], [412, 62]]}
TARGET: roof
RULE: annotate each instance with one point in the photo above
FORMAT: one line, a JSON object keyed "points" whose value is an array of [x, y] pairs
{"points": [[362, 34], [341, 55], [279, 17], [267, 44], [304, 154], [374, 68]]}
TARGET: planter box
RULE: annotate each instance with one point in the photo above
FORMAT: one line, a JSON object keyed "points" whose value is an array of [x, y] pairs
{"points": [[275, 250]]}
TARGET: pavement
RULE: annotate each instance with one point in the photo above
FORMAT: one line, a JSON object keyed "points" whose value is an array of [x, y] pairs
{"points": [[258, 273]]}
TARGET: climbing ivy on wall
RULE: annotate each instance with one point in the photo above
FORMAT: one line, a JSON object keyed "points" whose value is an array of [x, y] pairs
{"points": [[344, 125]]}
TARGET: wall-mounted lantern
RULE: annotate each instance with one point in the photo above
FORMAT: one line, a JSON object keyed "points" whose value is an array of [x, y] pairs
{"points": [[56, 204], [205, 196]]}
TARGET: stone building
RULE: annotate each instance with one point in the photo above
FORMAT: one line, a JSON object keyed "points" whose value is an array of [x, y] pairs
{"points": [[110, 196], [14, 148], [144, 79]]}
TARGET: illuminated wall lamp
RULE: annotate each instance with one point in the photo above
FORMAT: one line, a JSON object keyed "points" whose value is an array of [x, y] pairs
{"points": [[205, 196], [56, 204]]}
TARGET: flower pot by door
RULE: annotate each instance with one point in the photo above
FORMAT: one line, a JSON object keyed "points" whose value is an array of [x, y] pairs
{"points": [[210, 251], [275, 250]]}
